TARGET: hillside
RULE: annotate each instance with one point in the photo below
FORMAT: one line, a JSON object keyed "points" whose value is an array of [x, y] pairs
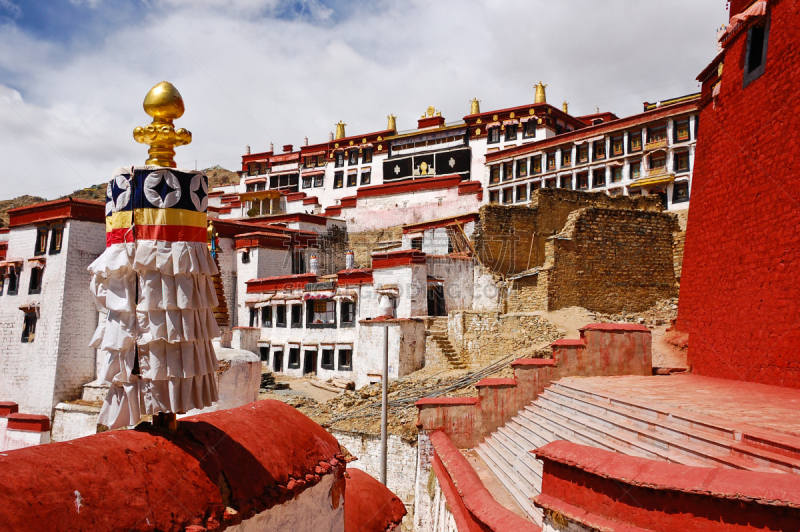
{"points": [[217, 176]]}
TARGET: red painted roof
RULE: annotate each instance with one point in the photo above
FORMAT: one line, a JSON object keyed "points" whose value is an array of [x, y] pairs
{"points": [[281, 282], [369, 505], [61, 209], [258, 455], [569, 342], [28, 422]]}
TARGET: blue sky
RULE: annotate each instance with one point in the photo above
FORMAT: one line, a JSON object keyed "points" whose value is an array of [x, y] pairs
{"points": [[73, 73]]}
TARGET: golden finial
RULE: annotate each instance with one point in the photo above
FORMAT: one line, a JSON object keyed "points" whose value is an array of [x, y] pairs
{"points": [[431, 110], [340, 130], [475, 107], [540, 95], [565, 106], [165, 104], [392, 125]]}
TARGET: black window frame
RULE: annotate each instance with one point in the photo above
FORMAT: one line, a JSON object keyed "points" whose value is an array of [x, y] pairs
{"points": [[536, 165], [676, 156], [529, 131], [307, 181], [310, 315], [280, 310], [677, 124], [296, 317], [524, 195], [253, 319], [319, 180], [339, 161], [494, 173], [277, 359], [566, 157], [756, 34], [683, 184], [352, 179], [616, 171], [599, 150], [565, 182], [294, 354], [348, 357], [266, 316], [508, 171], [583, 181], [633, 136], [40, 247], [347, 308], [264, 353], [330, 353], [416, 243], [366, 155], [2, 282], [37, 278], [550, 161], [352, 158], [338, 179], [618, 140], [246, 256], [56, 240], [13, 281], [29, 327], [599, 178], [638, 165], [494, 196], [508, 195], [522, 167], [510, 132], [583, 154], [493, 135], [366, 176]]}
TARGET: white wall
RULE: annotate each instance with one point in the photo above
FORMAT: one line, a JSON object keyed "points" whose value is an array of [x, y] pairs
{"points": [[406, 348]]}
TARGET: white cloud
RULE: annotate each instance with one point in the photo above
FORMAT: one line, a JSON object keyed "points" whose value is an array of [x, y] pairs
{"points": [[250, 74], [12, 9]]}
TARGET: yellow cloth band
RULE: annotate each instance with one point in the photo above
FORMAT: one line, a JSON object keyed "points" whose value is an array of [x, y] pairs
{"points": [[121, 220]]}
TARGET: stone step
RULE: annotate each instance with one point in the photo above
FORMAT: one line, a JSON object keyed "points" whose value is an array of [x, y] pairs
{"points": [[524, 463], [491, 459]]}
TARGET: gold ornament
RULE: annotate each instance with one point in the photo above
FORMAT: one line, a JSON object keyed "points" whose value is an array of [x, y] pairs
{"points": [[494, 117], [475, 107], [351, 142], [431, 110], [512, 115], [541, 97], [479, 121], [565, 106], [380, 147], [392, 125], [165, 104], [531, 112], [340, 130]]}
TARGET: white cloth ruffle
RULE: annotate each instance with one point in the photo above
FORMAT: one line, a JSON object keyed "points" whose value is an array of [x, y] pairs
{"points": [[160, 298]]}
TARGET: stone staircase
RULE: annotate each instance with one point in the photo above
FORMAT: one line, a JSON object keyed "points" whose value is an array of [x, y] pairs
{"points": [[221, 313], [436, 338], [567, 410]]}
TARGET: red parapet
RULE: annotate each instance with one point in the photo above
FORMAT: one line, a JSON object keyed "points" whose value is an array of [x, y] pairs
{"points": [[7, 408], [282, 282], [369, 505], [28, 422], [495, 382], [58, 210], [614, 327], [391, 259], [539, 362]]}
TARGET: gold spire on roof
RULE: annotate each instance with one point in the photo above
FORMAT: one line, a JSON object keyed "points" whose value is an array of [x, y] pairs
{"points": [[475, 106], [340, 130], [165, 104], [392, 125], [565, 106], [540, 94]]}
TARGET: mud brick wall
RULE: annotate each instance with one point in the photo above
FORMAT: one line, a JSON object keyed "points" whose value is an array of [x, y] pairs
{"points": [[365, 242], [483, 337], [611, 260], [511, 239], [528, 293], [740, 286], [679, 242]]}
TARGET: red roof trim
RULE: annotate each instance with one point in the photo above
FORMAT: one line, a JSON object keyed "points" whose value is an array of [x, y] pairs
{"points": [[354, 277], [496, 382], [297, 217], [58, 210], [283, 282], [28, 422], [391, 259], [263, 240], [410, 186]]}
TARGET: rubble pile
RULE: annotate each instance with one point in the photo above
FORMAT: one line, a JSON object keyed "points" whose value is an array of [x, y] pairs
{"points": [[662, 313]]}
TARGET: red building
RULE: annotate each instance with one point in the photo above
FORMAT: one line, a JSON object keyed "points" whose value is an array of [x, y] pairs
{"points": [[740, 295]]}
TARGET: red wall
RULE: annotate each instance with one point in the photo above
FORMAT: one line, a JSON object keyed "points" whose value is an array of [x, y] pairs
{"points": [[740, 289]]}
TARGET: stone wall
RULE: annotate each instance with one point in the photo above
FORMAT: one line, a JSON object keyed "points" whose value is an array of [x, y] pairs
{"points": [[610, 260], [365, 242], [678, 241], [483, 337]]}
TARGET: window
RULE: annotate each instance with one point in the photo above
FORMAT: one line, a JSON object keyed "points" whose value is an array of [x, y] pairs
{"points": [[636, 170], [345, 359], [29, 328], [13, 281], [522, 193], [680, 192], [340, 159], [366, 174], [298, 261], [280, 316], [352, 178], [327, 359], [2, 282], [494, 174], [320, 160], [658, 162], [617, 146], [252, 169], [583, 154], [635, 141], [321, 313], [657, 134], [348, 314], [508, 196], [253, 316], [297, 316], [35, 286], [416, 243], [566, 157], [246, 256], [338, 180], [41, 241], [583, 181], [56, 236], [266, 316], [319, 180], [366, 157], [262, 168], [277, 360], [494, 135], [310, 162], [599, 150], [682, 130], [508, 171], [306, 181], [511, 132], [251, 187], [264, 352], [566, 182], [551, 161], [494, 197], [550, 183], [681, 161], [755, 59], [530, 129], [599, 178], [616, 174], [352, 158], [522, 168], [294, 357], [536, 164]]}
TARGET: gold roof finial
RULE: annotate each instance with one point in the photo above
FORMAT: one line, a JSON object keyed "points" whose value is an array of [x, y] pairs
{"points": [[165, 104], [392, 125], [431, 110], [340, 130], [540, 94], [475, 107], [565, 106]]}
